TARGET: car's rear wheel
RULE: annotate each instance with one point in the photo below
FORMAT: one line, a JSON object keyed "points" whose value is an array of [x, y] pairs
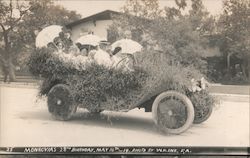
{"points": [[60, 102]]}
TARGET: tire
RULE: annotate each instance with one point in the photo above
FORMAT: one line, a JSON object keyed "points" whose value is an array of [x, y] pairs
{"points": [[61, 103], [201, 115], [173, 112]]}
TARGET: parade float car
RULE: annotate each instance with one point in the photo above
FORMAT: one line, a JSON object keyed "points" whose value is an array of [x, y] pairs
{"points": [[97, 88]]}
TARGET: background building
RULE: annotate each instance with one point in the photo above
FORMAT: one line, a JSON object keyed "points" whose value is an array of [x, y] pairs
{"points": [[96, 24]]}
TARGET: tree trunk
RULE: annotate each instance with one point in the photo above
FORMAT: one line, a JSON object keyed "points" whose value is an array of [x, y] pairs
{"points": [[12, 74], [228, 62], [245, 69], [229, 70], [8, 56]]}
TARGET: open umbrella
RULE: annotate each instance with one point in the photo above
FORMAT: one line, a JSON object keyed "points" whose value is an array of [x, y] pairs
{"points": [[127, 46], [89, 40], [47, 35]]}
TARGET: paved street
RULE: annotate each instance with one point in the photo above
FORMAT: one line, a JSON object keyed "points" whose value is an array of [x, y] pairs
{"points": [[25, 121]]}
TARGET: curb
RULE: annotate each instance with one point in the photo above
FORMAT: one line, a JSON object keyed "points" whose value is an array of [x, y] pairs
{"points": [[20, 84], [232, 97], [232, 89]]}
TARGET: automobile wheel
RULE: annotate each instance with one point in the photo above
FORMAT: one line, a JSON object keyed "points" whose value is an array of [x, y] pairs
{"points": [[60, 102], [202, 114], [173, 112]]}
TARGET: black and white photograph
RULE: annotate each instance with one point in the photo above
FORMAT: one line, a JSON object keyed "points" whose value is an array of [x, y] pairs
{"points": [[125, 76]]}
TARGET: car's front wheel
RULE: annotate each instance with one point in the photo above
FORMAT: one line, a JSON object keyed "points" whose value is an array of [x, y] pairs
{"points": [[173, 112]]}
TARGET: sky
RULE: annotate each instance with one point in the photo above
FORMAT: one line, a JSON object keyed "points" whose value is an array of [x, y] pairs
{"points": [[90, 7]]}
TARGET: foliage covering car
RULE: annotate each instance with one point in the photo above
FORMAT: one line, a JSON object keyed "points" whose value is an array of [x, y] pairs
{"points": [[157, 87]]}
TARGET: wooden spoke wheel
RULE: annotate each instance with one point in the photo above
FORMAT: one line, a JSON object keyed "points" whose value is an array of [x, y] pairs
{"points": [[60, 102], [202, 114], [173, 112]]}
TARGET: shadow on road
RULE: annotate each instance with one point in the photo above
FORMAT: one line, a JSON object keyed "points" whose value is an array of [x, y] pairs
{"points": [[114, 120]]}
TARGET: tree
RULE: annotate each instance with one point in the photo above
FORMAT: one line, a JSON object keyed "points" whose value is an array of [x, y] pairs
{"points": [[234, 33], [20, 21], [172, 12], [180, 37], [11, 15], [142, 8], [136, 17]]}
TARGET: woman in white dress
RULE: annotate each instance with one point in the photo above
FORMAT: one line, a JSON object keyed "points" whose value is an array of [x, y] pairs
{"points": [[100, 54]]}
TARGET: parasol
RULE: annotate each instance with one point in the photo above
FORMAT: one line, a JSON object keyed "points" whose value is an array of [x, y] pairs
{"points": [[89, 40], [47, 35], [127, 46]]}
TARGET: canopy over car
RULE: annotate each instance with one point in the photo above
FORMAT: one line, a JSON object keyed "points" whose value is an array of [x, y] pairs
{"points": [[47, 35]]}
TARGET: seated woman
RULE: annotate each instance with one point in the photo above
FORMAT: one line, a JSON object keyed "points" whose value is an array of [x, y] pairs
{"points": [[101, 57], [105, 46], [59, 44], [73, 49], [84, 52]]}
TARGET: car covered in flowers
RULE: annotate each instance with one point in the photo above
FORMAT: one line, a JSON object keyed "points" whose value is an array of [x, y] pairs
{"points": [[171, 93]]}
